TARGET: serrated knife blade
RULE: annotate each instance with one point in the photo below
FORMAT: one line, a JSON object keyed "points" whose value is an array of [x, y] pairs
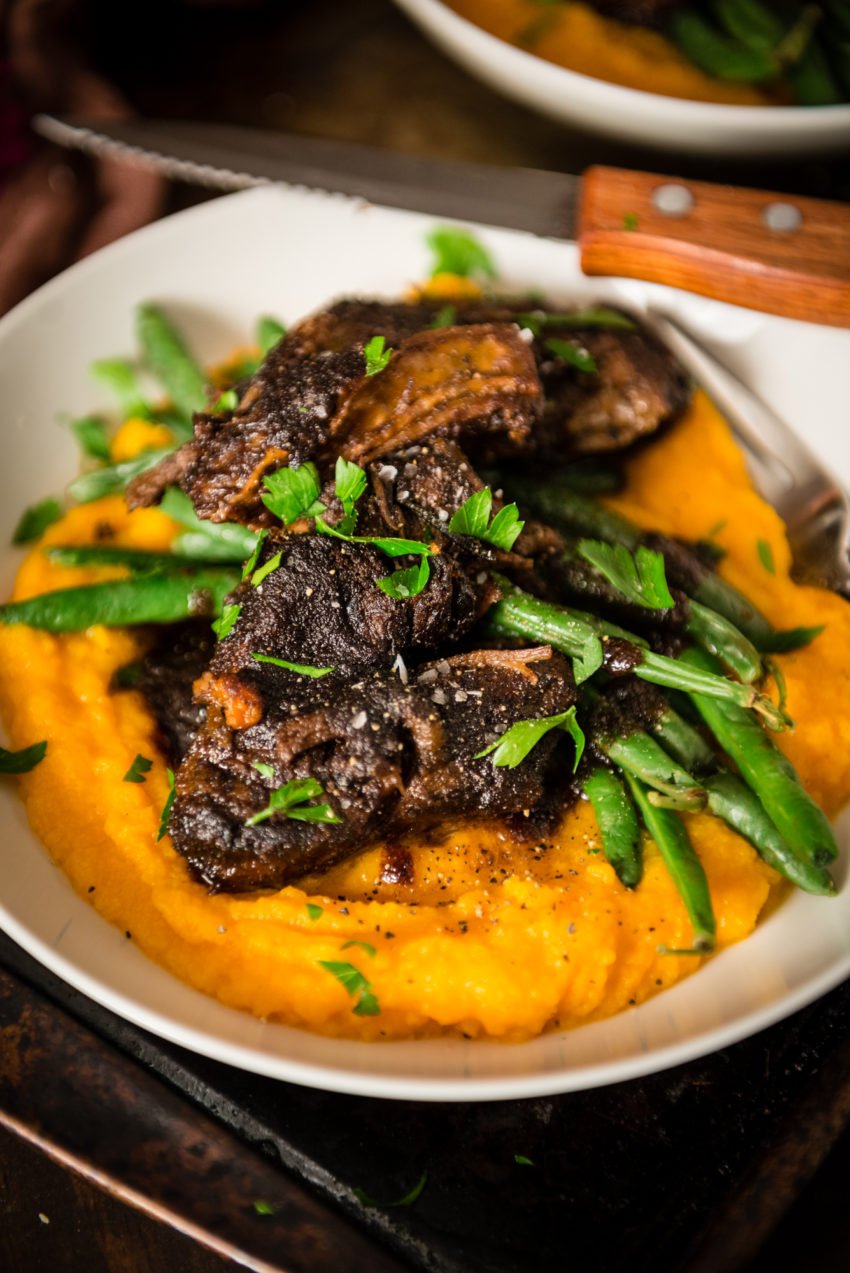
{"points": [[782, 254]]}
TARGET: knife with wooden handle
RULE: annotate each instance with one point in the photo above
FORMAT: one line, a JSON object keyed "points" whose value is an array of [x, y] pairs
{"points": [[782, 254]]}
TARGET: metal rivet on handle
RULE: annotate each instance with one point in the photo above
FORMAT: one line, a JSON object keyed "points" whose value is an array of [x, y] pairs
{"points": [[672, 200], [782, 217]]}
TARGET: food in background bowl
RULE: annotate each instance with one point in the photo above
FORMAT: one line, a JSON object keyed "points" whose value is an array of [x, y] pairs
{"points": [[409, 777], [737, 52]]}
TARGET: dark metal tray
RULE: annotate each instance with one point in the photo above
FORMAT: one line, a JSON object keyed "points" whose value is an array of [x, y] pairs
{"points": [[687, 1169]]}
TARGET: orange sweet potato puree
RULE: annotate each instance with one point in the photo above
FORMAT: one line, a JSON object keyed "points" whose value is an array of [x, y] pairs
{"points": [[489, 938], [575, 36]]}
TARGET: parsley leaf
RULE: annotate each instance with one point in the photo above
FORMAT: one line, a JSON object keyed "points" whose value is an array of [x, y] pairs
{"points": [[314, 912], [594, 316], [228, 400], [224, 625], [92, 436], [21, 762], [407, 1201], [121, 378], [261, 767], [765, 553], [167, 807], [445, 317], [352, 980], [35, 521], [522, 1161], [292, 493], [458, 252], [630, 221], [264, 1208], [572, 353], [515, 744], [473, 518], [140, 766], [639, 576], [269, 332], [364, 946], [303, 669], [376, 355], [402, 584], [349, 485], [291, 800], [267, 568], [251, 563]]}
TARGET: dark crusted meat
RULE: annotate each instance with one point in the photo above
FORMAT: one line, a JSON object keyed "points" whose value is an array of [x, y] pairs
{"points": [[389, 757], [166, 676], [637, 388]]}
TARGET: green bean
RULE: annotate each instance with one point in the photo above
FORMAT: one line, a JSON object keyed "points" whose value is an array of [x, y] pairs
{"points": [[722, 639], [749, 22], [640, 755], [123, 602], [684, 743], [134, 559], [568, 510], [669, 834], [571, 632], [718, 55], [168, 358], [203, 540], [766, 771], [734, 802], [111, 479], [812, 79], [618, 824]]}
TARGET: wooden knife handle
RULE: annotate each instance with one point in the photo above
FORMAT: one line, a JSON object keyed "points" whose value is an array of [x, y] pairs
{"points": [[783, 254]]}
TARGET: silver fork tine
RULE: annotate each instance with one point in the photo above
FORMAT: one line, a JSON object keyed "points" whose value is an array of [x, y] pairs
{"points": [[807, 497]]}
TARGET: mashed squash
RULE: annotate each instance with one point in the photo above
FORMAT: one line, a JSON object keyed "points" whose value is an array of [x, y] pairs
{"points": [[481, 937]]}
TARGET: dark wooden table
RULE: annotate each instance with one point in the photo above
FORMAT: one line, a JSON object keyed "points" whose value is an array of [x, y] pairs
{"points": [[351, 69]]}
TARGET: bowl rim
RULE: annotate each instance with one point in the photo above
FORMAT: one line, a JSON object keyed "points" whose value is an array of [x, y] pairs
{"points": [[773, 118]]}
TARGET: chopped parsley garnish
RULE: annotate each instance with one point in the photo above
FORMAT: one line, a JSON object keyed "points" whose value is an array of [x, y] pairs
{"points": [[226, 401], [92, 436], [303, 669], [594, 316], [407, 1201], [572, 353], [458, 252], [639, 576], [364, 946], [376, 355], [314, 912], [785, 640], [167, 807], [224, 625], [291, 800], [352, 980], [765, 553], [445, 317], [515, 744], [21, 762], [293, 493], [630, 221], [349, 485], [402, 584], [269, 332], [264, 1208], [251, 563], [140, 766], [262, 768], [35, 521], [121, 378], [473, 518], [522, 1161], [267, 568]]}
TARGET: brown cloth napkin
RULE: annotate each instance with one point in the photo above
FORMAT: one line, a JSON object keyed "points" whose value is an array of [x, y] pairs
{"points": [[56, 207]]}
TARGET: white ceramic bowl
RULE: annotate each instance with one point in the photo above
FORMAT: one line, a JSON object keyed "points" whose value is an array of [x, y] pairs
{"points": [[215, 268], [648, 119]]}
